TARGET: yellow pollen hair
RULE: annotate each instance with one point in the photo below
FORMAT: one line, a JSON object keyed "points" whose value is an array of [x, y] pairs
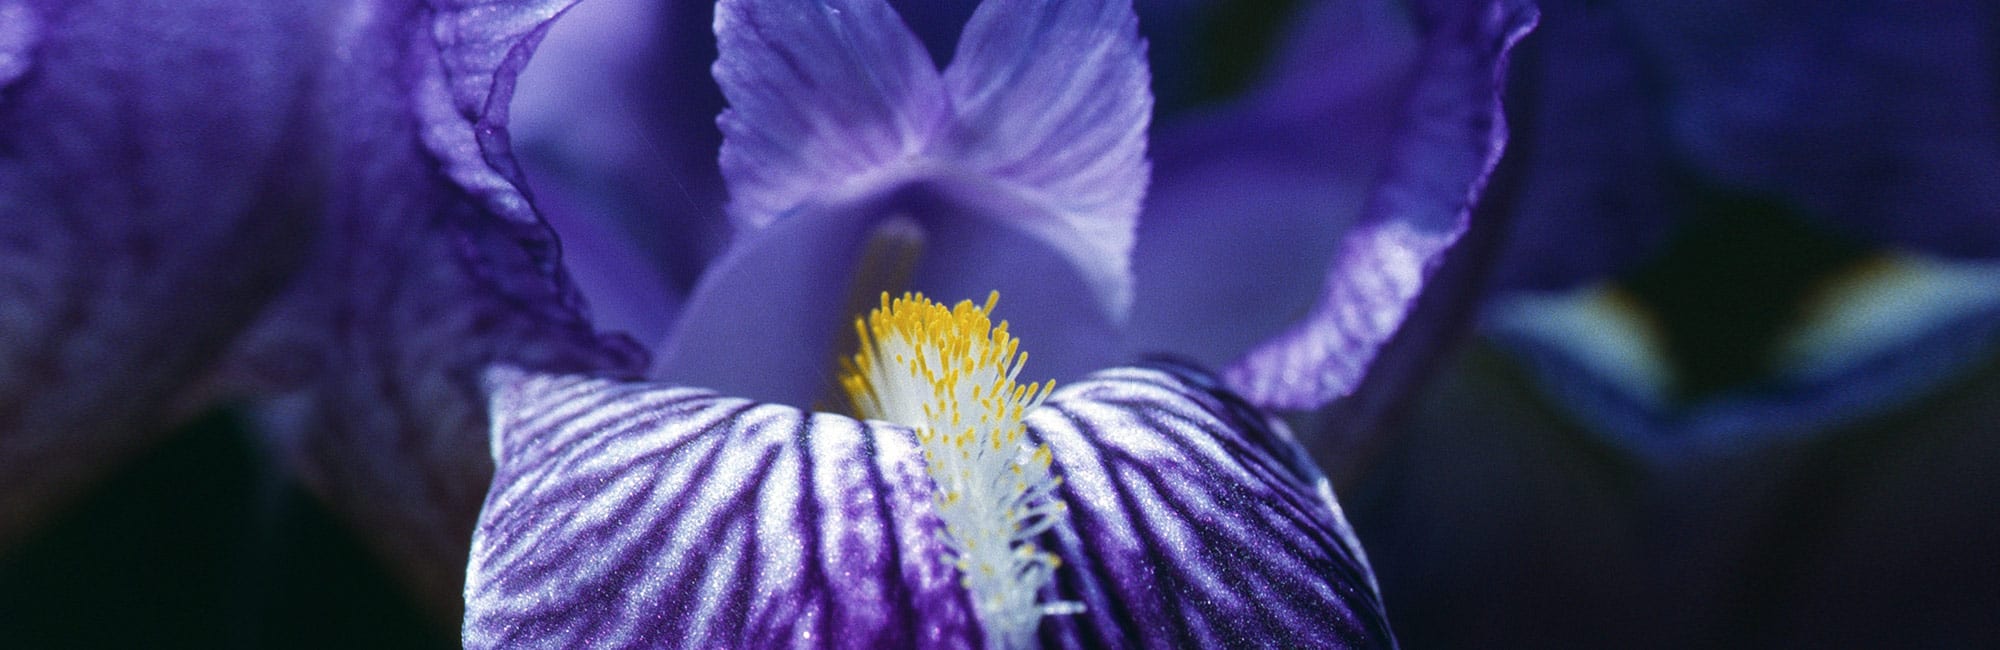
{"points": [[950, 374]]}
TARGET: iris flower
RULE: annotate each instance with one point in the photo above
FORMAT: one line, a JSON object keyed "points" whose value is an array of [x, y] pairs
{"points": [[1820, 174], [314, 210], [1740, 387], [1145, 504]]}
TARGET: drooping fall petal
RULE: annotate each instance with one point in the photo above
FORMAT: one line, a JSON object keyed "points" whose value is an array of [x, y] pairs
{"points": [[427, 264], [636, 514]]}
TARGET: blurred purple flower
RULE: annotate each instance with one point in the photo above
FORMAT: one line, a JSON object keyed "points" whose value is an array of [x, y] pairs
{"points": [[1843, 146], [1739, 388]]}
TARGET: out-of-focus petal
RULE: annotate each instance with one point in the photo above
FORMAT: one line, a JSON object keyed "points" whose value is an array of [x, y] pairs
{"points": [[423, 274], [1877, 116], [1053, 98], [822, 96], [156, 180], [1873, 341], [635, 514], [1592, 200], [1417, 205]]}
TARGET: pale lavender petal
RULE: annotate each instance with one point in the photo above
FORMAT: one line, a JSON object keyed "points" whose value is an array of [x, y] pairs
{"points": [[856, 132], [1197, 521], [1416, 209], [1053, 98], [765, 320], [821, 95], [155, 185], [640, 515], [628, 289], [772, 316]]}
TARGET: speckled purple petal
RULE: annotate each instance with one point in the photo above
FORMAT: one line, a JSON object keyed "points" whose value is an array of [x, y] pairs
{"points": [[155, 181], [1875, 115], [1437, 166], [638, 515]]}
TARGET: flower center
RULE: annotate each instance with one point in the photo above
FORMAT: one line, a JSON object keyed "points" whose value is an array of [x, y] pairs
{"points": [[949, 374]]}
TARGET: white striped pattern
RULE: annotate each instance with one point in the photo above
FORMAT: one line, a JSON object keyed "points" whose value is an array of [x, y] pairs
{"points": [[641, 515]]}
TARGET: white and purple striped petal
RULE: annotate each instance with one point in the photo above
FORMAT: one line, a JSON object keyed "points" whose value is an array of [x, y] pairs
{"points": [[639, 515], [642, 515]]}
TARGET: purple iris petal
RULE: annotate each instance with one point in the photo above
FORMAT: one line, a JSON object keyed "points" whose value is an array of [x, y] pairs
{"points": [[151, 201], [616, 116], [307, 210], [637, 515], [1020, 169], [1865, 119], [1873, 118], [422, 279], [1052, 97], [1593, 201], [1877, 116], [1438, 146], [1242, 190], [821, 96]]}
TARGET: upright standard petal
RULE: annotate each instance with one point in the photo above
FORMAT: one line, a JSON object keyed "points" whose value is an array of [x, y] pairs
{"points": [[823, 96], [636, 515], [1418, 207], [837, 115], [1053, 97], [156, 184]]}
